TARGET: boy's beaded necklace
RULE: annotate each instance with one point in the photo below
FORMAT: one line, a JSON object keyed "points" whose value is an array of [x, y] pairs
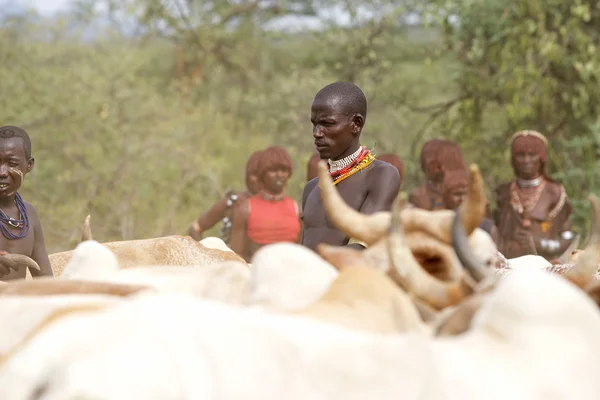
{"points": [[22, 223]]}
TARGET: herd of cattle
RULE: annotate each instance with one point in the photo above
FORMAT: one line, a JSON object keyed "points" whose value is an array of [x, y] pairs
{"points": [[430, 310]]}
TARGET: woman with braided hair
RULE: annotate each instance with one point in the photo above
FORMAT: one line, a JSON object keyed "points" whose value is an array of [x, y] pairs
{"points": [[454, 191], [222, 210], [269, 216], [532, 212], [437, 156]]}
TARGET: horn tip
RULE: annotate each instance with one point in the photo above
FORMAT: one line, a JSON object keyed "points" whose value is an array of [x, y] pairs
{"points": [[474, 169], [323, 171]]}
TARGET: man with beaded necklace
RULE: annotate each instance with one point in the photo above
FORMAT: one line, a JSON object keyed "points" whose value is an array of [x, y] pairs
{"points": [[532, 213], [338, 115], [19, 221]]}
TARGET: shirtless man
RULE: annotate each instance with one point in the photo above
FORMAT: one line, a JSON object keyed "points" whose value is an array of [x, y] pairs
{"points": [[19, 220], [338, 115]]}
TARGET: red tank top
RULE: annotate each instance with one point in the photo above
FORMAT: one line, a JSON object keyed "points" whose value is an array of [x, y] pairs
{"points": [[273, 221]]}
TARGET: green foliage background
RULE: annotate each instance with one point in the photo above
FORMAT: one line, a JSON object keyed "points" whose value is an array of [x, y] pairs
{"points": [[147, 129]]}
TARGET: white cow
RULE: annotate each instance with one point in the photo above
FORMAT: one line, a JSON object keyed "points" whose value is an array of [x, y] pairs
{"points": [[531, 329]]}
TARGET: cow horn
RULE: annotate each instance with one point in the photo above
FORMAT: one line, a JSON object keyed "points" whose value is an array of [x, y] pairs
{"points": [[16, 261], [409, 273], [474, 204], [439, 222], [86, 234], [587, 263], [367, 228], [460, 242], [458, 321]]}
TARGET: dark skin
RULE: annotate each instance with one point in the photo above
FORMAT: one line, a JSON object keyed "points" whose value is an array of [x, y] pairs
{"points": [[454, 198], [13, 158], [217, 212], [337, 133], [527, 165], [273, 183]]}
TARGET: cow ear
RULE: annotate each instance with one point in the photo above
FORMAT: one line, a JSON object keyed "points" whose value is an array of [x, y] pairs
{"points": [[340, 257]]}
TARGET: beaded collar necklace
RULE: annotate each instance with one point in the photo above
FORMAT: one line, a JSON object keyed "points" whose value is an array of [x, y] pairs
{"points": [[362, 160], [22, 223], [336, 165]]}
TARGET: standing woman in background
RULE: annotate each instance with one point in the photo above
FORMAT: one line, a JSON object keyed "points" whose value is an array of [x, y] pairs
{"points": [[269, 216]]}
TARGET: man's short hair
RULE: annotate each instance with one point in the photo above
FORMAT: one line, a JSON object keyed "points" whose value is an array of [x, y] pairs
{"points": [[350, 97], [7, 132]]}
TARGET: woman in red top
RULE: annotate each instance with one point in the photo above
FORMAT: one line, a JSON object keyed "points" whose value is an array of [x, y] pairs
{"points": [[269, 216]]}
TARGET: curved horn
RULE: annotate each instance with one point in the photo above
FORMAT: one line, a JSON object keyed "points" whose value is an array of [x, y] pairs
{"points": [[474, 204], [16, 261], [87, 230], [409, 273], [439, 222], [458, 320], [587, 263], [367, 228], [460, 242]]}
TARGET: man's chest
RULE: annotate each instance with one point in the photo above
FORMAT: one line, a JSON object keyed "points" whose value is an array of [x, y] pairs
{"points": [[314, 210]]}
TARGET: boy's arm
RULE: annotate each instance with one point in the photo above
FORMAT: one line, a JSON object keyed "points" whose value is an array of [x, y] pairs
{"points": [[39, 253]]}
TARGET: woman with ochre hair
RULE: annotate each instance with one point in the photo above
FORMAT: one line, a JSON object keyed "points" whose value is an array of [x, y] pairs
{"points": [[454, 191], [222, 210], [437, 156], [269, 216]]}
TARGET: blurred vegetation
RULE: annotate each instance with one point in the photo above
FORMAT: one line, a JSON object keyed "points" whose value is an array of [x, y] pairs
{"points": [[142, 112]]}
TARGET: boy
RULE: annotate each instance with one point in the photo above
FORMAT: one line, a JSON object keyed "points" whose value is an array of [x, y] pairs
{"points": [[19, 221]]}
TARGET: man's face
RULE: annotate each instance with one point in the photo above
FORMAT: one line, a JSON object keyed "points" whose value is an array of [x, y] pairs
{"points": [[275, 180], [14, 164], [454, 198], [333, 129], [527, 164]]}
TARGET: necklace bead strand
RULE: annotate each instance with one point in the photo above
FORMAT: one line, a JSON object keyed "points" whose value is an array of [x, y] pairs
{"points": [[23, 223]]}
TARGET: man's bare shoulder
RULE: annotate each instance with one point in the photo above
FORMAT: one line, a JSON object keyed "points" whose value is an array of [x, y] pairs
{"points": [[382, 172], [313, 183]]}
